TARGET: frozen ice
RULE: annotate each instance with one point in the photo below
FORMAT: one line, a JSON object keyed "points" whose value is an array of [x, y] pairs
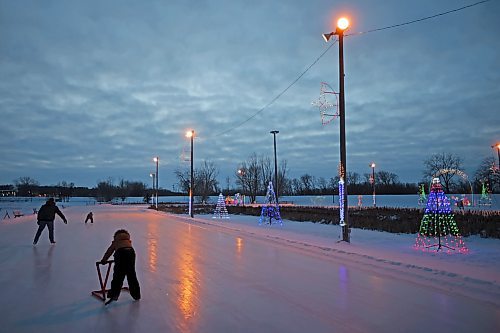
{"points": [[232, 275]]}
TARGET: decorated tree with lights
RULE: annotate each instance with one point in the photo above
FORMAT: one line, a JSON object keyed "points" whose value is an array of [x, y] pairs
{"points": [[485, 198], [438, 227], [221, 210], [422, 198], [271, 209]]}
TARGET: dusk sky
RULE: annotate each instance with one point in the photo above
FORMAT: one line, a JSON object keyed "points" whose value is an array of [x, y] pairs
{"points": [[95, 89]]}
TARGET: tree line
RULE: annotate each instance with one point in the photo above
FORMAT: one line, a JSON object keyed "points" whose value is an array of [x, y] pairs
{"points": [[254, 174]]}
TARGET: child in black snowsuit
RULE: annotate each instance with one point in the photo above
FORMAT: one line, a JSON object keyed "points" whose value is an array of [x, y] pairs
{"points": [[124, 266]]}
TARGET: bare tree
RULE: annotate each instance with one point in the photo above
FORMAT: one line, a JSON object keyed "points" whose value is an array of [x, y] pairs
{"points": [[206, 180], [438, 163], [252, 178], [352, 178], [26, 186], [488, 173], [307, 182], [282, 180], [296, 186], [183, 179], [386, 178], [106, 191], [267, 171]]}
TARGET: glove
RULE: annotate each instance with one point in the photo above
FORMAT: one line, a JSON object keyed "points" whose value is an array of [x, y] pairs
{"points": [[65, 221]]}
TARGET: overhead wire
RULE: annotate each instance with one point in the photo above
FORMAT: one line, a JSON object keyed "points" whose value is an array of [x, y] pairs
{"points": [[281, 93], [331, 45]]}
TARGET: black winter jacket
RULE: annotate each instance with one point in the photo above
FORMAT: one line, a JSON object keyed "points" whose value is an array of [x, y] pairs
{"points": [[48, 213]]}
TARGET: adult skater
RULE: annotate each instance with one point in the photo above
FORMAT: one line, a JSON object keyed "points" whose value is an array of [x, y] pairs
{"points": [[46, 216], [124, 266]]}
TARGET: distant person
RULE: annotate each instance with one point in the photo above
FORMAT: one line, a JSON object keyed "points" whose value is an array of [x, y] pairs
{"points": [[124, 255], [460, 205], [90, 217], [45, 217]]}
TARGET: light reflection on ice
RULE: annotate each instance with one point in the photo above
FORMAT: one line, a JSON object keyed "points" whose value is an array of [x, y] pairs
{"points": [[152, 246]]}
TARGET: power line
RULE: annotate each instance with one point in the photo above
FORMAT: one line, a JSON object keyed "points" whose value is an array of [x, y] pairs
{"points": [[331, 45], [281, 93], [418, 20]]}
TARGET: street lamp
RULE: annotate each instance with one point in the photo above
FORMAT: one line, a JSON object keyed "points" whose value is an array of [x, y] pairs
{"points": [[372, 180], [156, 160], [275, 166], [497, 146], [152, 175], [342, 25], [241, 172], [190, 134]]}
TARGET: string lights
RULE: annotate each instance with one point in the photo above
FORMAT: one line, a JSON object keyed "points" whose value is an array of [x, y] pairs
{"points": [[438, 228], [270, 210]]}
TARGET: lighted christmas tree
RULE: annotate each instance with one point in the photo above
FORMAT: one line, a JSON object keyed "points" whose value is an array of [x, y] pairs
{"points": [[438, 227], [271, 209], [220, 210], [422, 198], [485, 199]]}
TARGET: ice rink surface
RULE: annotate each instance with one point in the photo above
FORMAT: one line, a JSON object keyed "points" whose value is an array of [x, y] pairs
{"points": [[207, 275]]}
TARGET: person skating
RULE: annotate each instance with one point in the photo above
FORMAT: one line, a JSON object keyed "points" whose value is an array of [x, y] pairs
{"points": [[90, 217], [124, 255], [45, 217]]}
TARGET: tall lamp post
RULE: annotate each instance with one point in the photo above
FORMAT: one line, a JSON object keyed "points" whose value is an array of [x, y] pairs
{"points": [[275, 166], [241, 172], [156, 160], [497, 146], [190, 134], [342, 25], [372, 180], [152, 175]]}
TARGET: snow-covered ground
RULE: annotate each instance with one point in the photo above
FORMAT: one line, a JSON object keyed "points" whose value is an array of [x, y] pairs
{"points": [[232, 275]]}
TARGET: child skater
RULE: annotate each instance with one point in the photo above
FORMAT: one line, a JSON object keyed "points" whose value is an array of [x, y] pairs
{"points": [[124, 266]]}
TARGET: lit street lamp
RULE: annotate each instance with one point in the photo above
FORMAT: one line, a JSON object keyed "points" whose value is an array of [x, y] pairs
{"points": [[275, 166], [190, 134], [372, 180], [497, 146], [156, 160], [342, 25], [152, 175]]}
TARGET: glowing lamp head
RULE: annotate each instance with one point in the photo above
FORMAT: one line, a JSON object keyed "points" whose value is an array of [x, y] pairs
{"points": [[343, 23], [189, 134], [156, 159], [151, 175], [372, 165], [498, 146]]}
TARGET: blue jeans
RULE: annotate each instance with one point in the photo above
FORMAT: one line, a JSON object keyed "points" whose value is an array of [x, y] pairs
{"points": [[41, 226]]}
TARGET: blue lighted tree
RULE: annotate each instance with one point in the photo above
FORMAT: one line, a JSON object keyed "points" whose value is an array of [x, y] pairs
{"points": [[438, 227], [271, 209]]}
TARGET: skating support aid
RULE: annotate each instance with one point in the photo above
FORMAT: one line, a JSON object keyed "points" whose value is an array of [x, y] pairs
{"points": [[101, 294]]}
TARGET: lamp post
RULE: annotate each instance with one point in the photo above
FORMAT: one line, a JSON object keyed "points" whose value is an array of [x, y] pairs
{"points": [[190, 134], [241, 172], [156, 160], [275, 166], [372, 180], [152, 175], [342, 25], [497, 146]]}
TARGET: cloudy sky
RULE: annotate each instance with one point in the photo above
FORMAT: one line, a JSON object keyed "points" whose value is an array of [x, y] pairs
{"points": [[94, 89]]}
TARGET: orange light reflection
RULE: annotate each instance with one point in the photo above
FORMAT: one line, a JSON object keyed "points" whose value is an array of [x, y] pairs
{"points": [[152, 246], [239, 245]]}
